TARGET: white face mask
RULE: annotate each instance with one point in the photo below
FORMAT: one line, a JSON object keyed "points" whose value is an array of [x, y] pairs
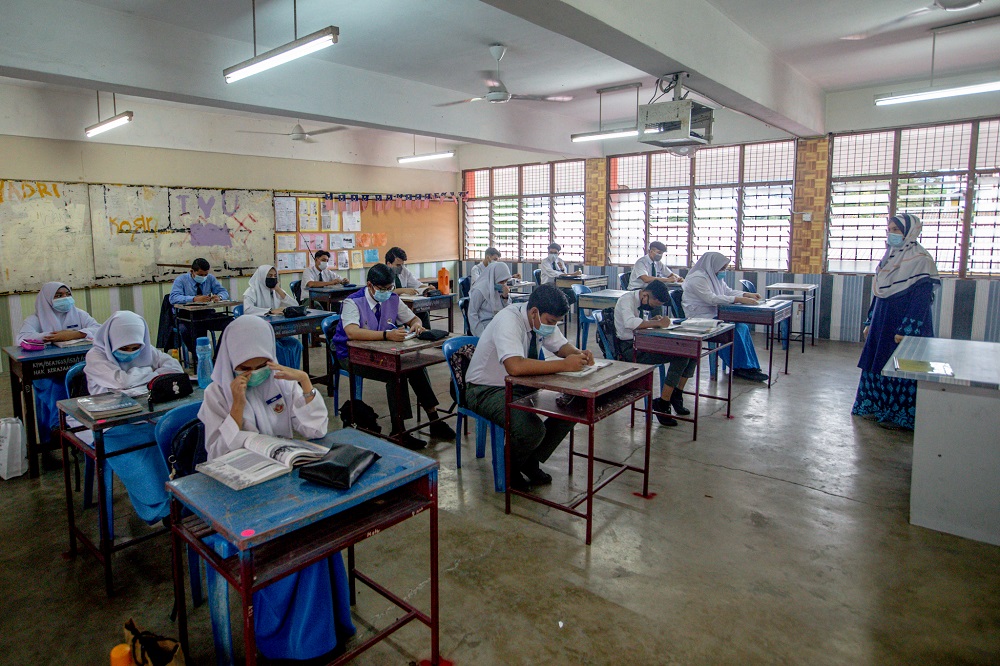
{"points": [[323, 265]]}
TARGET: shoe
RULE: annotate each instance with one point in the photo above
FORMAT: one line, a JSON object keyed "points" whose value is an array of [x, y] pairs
{"points": [[677, 402], [536, 476], [751, 374], [412, 443], [442, 430], [661, 408], [518, 481]]}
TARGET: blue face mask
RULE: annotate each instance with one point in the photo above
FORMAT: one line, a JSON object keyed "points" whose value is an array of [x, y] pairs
{"points": [[721, 275], [382, 296], [259, 376], [545, 330], [895, 240], [64, 304], [498, 287], [125, 357], [200, 279]]}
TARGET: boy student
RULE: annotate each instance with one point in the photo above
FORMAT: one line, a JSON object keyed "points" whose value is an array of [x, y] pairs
{"points": [[552, 267], [510, 346], [319, 274], [628, 319], [198, 286], [652, 267], [406, 283], [492, 254], [376, 313]]}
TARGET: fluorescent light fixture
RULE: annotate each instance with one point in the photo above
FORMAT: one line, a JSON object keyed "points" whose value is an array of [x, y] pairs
{"points": [[425, 157], [279, 56], [604, 134], [111, 123], [886, 100]]}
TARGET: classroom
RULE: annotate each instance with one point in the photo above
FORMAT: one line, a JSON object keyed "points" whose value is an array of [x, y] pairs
{"points": [[699, 302]]}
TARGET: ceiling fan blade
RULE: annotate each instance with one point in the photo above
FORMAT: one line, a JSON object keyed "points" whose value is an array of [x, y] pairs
{"points": [[272, 133], [879, 29], [543, 98], [461, 101], [325, 130]]}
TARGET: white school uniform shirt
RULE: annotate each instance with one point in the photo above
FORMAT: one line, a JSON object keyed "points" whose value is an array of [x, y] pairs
{"points": [[645, 267], [474, 274], [507, 336], [627, 315], [484, 300], [105, 373], [408, 280], [349, 311], [259, 300], [313, 274], [552, 268], [701, 300]]}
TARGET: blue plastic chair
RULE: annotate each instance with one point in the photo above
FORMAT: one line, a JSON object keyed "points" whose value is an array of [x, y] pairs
{"points": [[537, 274], [748, 286], [623, 280], [464, 285], [329, 326], [296, 287], [676, 303], [583, 321], [482, 424], [72, 376], [463, 305], [237, 310]]}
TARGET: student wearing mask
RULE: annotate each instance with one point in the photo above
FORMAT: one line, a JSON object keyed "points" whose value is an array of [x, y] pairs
{"points": [[510, 346], [199, 286], [490, 256], [307, 614], [552, 267], [406, 283], [56, 319], [123, 357], [629, 319], [376, 313], [320, 274], [704, 292], [488, 296], [264, 297], [652, 267]]}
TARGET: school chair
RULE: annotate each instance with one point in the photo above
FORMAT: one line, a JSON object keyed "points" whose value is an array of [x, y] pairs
{"points": [[334, 372], [464, 284], [463, 305], [748, 286], [76, 387], [623, 280], [583, 321], [537, 274], [296, 287], [613, 347], [450, 347], [237, 311]]}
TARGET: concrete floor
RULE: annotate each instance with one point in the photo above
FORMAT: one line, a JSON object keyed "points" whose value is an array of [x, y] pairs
{"points": [[780, 536]]}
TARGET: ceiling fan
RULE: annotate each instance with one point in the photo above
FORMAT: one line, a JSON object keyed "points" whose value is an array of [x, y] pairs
{"points": [[299, 134], [498, 94], [936, 5]]}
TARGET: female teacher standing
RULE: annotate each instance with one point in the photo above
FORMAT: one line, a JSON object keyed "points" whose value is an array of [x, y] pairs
{"points": [[903, 293]]}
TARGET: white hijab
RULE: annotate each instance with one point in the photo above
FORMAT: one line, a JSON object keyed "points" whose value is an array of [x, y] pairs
{"points": [[121, 329], [246, 338], [51, 320], [263, 297], [496, 272], [710, 264], [904, 266]]}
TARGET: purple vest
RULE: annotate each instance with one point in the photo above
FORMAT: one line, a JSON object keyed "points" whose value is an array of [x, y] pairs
{"points": [[389, 311]]}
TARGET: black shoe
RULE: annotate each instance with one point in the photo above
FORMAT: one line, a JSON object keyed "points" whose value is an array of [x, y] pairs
{"points": [[536, 476], [518, 481], [442, 430], [677, 402], [662, 410], [412, 443], [751, 374]]}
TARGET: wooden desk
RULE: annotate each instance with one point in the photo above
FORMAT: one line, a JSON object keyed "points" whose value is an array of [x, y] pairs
{"points": [[286, 524], [598, 300], [27, 366], [331, 295], [769, 314], [106, 545], [399, 358], [421, 304], [309, 323], [800, 293], [185, 312], [956, 451], [689, 345], [598, 396]]}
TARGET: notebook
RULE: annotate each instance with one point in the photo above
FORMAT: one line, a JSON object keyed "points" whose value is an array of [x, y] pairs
{"points": [[590, 369], [928, 367], [106, 405], [72, 343]]}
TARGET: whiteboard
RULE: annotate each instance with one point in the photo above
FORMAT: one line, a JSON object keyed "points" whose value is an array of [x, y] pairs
{"points": [[45, 235]]}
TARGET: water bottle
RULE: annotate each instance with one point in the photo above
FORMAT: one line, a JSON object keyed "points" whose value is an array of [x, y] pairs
{"points": [[203, 349]]}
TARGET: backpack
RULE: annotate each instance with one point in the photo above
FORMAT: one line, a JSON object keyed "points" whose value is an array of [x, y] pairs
{"points": [[365, 417], [187, 449], [607, 327], [459, 363]]}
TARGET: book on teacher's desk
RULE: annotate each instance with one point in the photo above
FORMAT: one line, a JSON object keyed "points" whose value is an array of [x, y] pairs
{"points": [[261, 459], [106, 405]]}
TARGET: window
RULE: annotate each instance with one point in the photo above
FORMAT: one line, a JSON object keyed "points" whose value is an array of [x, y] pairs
{"points": [[521, 209], [926, 171], [732, 199]]}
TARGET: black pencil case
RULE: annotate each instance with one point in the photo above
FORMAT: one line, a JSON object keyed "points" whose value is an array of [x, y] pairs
{"points": [[339, 468]]}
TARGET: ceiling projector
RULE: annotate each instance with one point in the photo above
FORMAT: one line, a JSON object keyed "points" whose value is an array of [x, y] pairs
{"points": [[680, 122]]}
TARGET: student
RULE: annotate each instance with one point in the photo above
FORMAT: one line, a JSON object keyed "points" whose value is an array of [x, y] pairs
{"points": [[652, 267], [552, 267], [123, 357], [510, 346], [628, 319], [199, 286], [319, 274], [704, 292], [376, 313], [264, 297], [406, 282], [306, 614], [491, 255], [488, 296], [56, 319]]}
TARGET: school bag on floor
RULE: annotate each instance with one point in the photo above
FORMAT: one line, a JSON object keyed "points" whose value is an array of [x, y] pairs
{"points": [[13, 448]]}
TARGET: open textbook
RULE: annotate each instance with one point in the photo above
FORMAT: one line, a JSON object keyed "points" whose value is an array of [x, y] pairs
{"points": [[695, 325], [262, 458]]}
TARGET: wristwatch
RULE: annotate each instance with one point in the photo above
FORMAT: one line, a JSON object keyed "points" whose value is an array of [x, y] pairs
{"points": [[385, 335], [313, 393]]}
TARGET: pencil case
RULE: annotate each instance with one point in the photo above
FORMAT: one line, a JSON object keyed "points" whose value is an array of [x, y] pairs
{"points": [[32, 345]]}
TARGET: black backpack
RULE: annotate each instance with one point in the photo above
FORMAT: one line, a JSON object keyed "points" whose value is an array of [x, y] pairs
{"points": [[361, 415], [187, 449]]}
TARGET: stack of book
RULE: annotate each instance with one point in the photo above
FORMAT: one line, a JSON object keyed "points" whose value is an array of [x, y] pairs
{"points": [[106, 405]]}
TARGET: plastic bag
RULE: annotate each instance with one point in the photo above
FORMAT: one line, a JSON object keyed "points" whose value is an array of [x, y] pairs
{"points": [[13, 448]]}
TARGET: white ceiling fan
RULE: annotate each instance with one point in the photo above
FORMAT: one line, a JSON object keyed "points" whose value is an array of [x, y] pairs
{"points": [[299, 134], [936, 5], [498, 94]]}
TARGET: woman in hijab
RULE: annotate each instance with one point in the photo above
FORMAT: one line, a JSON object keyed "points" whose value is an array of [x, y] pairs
{"points": [[56, 319], [903, 290], [296, 617], [264, 297], [704, 292], [488, 296], [121, 358]]}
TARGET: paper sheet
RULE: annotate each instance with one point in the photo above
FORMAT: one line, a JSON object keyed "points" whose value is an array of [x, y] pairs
{"points": [[371, 256], [343, 261], [329, 220], [342, 241], [308, 214], [284, 214], [285, 242], [292, 261], [357, 259], [351, 220]]}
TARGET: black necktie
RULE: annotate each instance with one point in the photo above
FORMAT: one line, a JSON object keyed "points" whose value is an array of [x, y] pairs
{"points": [[533, 347], [399, 285], [652, 265], [197, 289], [378, 312]]}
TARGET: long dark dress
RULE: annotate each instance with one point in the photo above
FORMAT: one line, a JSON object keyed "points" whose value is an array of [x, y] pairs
{"points": [[906, 313]]}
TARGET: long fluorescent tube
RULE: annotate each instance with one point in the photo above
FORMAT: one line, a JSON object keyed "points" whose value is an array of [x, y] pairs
{"points": [[992, 86], [279, 56], [111, 123], [424, 158], [604, 134]]}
